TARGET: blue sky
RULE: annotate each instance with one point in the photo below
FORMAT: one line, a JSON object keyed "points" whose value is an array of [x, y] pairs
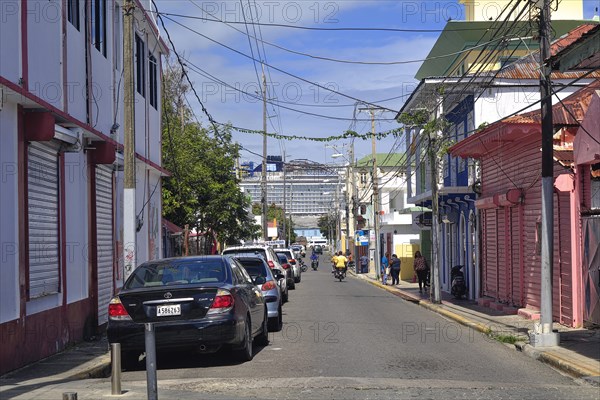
{"points": [[371, 83]]}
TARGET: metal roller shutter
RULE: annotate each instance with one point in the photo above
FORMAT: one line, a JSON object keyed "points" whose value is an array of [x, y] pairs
{"points": [[490, 260], [104, 235], [43, 218]]}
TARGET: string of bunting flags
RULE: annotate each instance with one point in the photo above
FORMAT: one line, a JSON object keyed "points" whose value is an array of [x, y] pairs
{"points": [[346, 135]]}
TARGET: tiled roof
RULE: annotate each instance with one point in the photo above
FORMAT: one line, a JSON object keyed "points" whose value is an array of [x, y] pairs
{"points": [[528, 67]]}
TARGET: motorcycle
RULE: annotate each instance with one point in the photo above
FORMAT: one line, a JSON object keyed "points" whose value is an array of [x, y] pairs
{"points": [[314, 264], [303, 266], [458, 286], [339, 273]]}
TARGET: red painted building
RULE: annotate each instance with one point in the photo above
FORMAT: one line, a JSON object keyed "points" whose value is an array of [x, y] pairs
{"points": [[510, 206]]}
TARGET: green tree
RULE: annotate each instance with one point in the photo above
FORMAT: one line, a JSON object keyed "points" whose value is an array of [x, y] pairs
{"points": [[327, 225], [203, 191], [275, 212]]}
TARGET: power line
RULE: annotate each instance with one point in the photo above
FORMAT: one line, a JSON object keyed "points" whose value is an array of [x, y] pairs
{"points": [[351, 29], [275, 68], [337, 60]]}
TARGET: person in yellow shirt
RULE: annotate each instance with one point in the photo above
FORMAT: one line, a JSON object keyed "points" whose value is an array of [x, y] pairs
{"points": [[333, 262], [341, 262]]}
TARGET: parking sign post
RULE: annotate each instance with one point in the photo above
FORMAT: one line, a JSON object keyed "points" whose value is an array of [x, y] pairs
{"points": [[151, 380]]}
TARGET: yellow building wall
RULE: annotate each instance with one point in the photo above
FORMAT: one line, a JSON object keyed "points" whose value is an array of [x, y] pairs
{"points": [[484, 10], [406, 254]]}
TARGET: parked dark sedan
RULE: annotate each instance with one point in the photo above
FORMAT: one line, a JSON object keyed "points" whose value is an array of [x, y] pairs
{"points": [[200, 303]]}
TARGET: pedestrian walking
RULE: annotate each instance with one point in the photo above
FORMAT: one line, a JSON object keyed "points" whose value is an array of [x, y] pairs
{"points": [[395, 270], [384, 268], [422, 270]]}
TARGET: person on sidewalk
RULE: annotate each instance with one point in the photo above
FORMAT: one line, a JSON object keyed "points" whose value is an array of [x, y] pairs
{"points": [[421, 268], [364, 264], [395, 270], [384, 268]]}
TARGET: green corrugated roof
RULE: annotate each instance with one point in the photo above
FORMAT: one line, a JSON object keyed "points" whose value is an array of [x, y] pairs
{"points": [[452, 39], [383, 160]]}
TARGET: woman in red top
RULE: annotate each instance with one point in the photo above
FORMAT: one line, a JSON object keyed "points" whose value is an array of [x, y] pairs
{"points": [[421, 268]]}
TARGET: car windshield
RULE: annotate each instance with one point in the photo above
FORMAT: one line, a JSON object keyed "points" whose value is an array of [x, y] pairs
{"points": [[182, 272]]}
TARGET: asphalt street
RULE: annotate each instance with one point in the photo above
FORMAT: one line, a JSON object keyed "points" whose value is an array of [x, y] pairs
{"points": [[352, 340]]}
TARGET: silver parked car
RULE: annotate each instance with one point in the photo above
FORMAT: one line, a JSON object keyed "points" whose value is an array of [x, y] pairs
{"points": [[267, 281], [297, 272], [266, 253]]}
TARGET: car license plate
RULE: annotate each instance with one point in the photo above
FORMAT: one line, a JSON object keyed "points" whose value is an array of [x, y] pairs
{"points": [[167, 311]]}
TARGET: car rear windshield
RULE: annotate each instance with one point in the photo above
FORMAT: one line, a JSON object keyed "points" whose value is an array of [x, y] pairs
{"points": [[246, 253], [178, 273], [254, 267], [282, 258]]}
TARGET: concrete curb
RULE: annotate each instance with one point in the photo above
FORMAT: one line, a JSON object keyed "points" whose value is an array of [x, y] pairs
{"points": [[547, 357], [100, 367], [556, 361]]}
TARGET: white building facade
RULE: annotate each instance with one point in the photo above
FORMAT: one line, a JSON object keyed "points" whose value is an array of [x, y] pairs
{"points": [[61, 192]]}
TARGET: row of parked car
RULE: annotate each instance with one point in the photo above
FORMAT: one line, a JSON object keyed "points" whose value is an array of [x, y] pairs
{"points": [[205, 302]]}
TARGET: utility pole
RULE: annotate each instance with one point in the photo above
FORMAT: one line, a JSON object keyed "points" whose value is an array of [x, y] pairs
{"points": [[376, 257], [284, 200], [263, 185], [129, 216], [436, 296], [354, 200], [543, 334], [349, 191]]}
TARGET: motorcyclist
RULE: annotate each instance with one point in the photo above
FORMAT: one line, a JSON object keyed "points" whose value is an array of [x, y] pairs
{"points": [[341, 262], [333, 262], [314, 258]]}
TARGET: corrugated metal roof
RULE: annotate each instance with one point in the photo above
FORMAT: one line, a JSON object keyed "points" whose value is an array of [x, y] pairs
{"points": [[564, 157], [528, 67], [583, 53], [383, 160], [577, 104], [462, 35]]}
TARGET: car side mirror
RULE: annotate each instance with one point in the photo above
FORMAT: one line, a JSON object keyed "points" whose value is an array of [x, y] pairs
{"points": [[260, 280]]}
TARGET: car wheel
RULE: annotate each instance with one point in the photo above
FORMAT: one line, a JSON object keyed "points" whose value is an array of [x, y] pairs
{"points": [[276, 323], [263, 338], [293, 284], [245, 353], [285, 296], [129, 360], [298, 279]]}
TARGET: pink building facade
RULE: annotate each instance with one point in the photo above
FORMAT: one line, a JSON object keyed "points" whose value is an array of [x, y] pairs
{"points": [[510, 209]]}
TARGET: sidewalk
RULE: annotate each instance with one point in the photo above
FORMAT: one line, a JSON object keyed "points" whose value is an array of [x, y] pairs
{"points": [[578, 354], [83, 361]]}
